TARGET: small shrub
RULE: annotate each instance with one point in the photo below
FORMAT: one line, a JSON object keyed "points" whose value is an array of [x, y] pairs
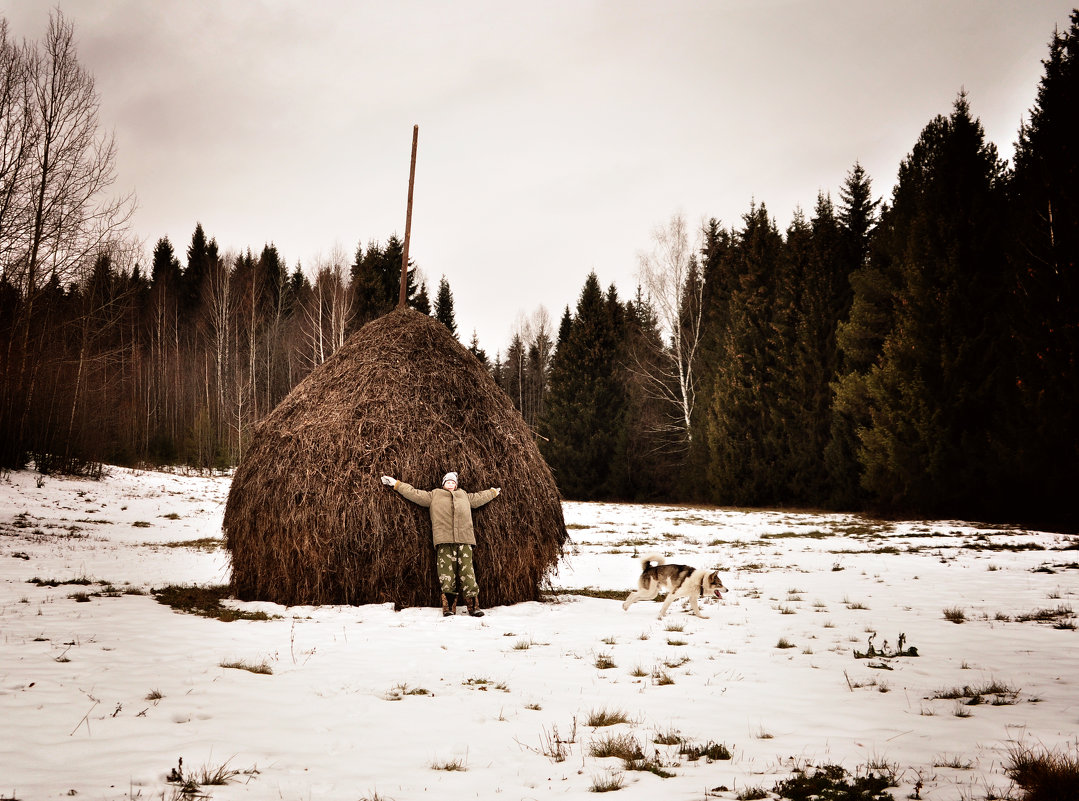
{"points": [[669, 737], [604, 662], [955, 762], [1047, 615], [81, 581], [675, 662], [449, 765], [649, 765], [483, 684], [753, 794], [154, 695], [832, 781], [711, 751], [955, 614], [784, 643], [401, 690], [661, 677], [1002, 694]]}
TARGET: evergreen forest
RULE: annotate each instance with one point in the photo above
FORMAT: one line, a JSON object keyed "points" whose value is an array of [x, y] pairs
{"points": [[913, 354]]}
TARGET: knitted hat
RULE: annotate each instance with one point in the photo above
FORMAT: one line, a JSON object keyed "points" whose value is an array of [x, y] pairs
{"points": [[451, 476]]}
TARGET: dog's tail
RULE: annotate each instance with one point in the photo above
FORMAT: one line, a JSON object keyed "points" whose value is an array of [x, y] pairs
{"points": [[650, 559]]}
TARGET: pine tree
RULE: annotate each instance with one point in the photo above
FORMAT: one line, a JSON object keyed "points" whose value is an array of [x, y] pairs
{"points": [[583, 418], [444, 306]]}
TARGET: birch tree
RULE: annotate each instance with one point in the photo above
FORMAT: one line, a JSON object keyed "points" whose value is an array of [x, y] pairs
{"points": [[671, 280]]}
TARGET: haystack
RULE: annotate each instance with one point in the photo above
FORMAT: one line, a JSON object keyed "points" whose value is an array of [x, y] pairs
{"points": [[308, 520]]}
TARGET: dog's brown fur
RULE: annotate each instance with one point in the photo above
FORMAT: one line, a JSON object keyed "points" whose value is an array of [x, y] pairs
{"points": [[680, 581]]}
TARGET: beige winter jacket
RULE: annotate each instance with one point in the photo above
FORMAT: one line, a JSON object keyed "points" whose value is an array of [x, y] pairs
{"points": [[451, 513]]}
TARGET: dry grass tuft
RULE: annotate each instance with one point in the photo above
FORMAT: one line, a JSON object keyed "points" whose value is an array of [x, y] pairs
{"points": [[1049, 776]]}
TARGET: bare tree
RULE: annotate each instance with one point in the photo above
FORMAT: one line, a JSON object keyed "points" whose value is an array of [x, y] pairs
{"points": [[329, 309], [56, 219], [15, 144], [673, 284], [72, 165], [528, 361]]}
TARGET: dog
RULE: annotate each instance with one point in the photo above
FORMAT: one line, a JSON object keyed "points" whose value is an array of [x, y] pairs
{"points": [[680, 581]]}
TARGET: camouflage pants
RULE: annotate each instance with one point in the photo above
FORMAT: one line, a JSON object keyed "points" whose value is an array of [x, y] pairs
{"points": [[453, 561]]}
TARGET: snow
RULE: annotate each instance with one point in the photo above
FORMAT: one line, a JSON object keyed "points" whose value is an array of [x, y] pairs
{"points": [[364, 702]]}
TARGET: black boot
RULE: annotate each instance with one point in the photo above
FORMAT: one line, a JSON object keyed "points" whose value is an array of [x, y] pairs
{"points": [[473, 605], [449, 604]]}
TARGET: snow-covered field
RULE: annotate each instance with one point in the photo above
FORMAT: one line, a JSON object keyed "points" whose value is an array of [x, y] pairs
{"points": [[103, 689]]}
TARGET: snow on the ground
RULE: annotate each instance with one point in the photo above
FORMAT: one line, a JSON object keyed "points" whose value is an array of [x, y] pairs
{"points": [[103, 689]]}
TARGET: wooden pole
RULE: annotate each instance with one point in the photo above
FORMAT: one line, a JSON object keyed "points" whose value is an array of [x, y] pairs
{"points": [[401, 299]]}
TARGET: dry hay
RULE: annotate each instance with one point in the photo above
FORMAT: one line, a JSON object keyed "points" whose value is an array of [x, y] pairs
{"points": [[308, 520]]}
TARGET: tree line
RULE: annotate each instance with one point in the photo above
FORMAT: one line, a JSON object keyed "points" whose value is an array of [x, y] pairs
{"points": [[915, 355]]}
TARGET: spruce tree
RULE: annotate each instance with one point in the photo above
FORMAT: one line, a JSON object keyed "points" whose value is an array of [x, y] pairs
{"points": [[165, 267], [1045, 316], [585, 405], [272, 277], [864, 317], [744, 439], [475, 349], [717, 274], [444, 306], [937, 389], [199, 254], [422, 302], [375, 281], [655, 451]]}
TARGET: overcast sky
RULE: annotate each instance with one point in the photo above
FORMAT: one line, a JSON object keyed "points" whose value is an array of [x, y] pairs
{"points": [[554, 135]]}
